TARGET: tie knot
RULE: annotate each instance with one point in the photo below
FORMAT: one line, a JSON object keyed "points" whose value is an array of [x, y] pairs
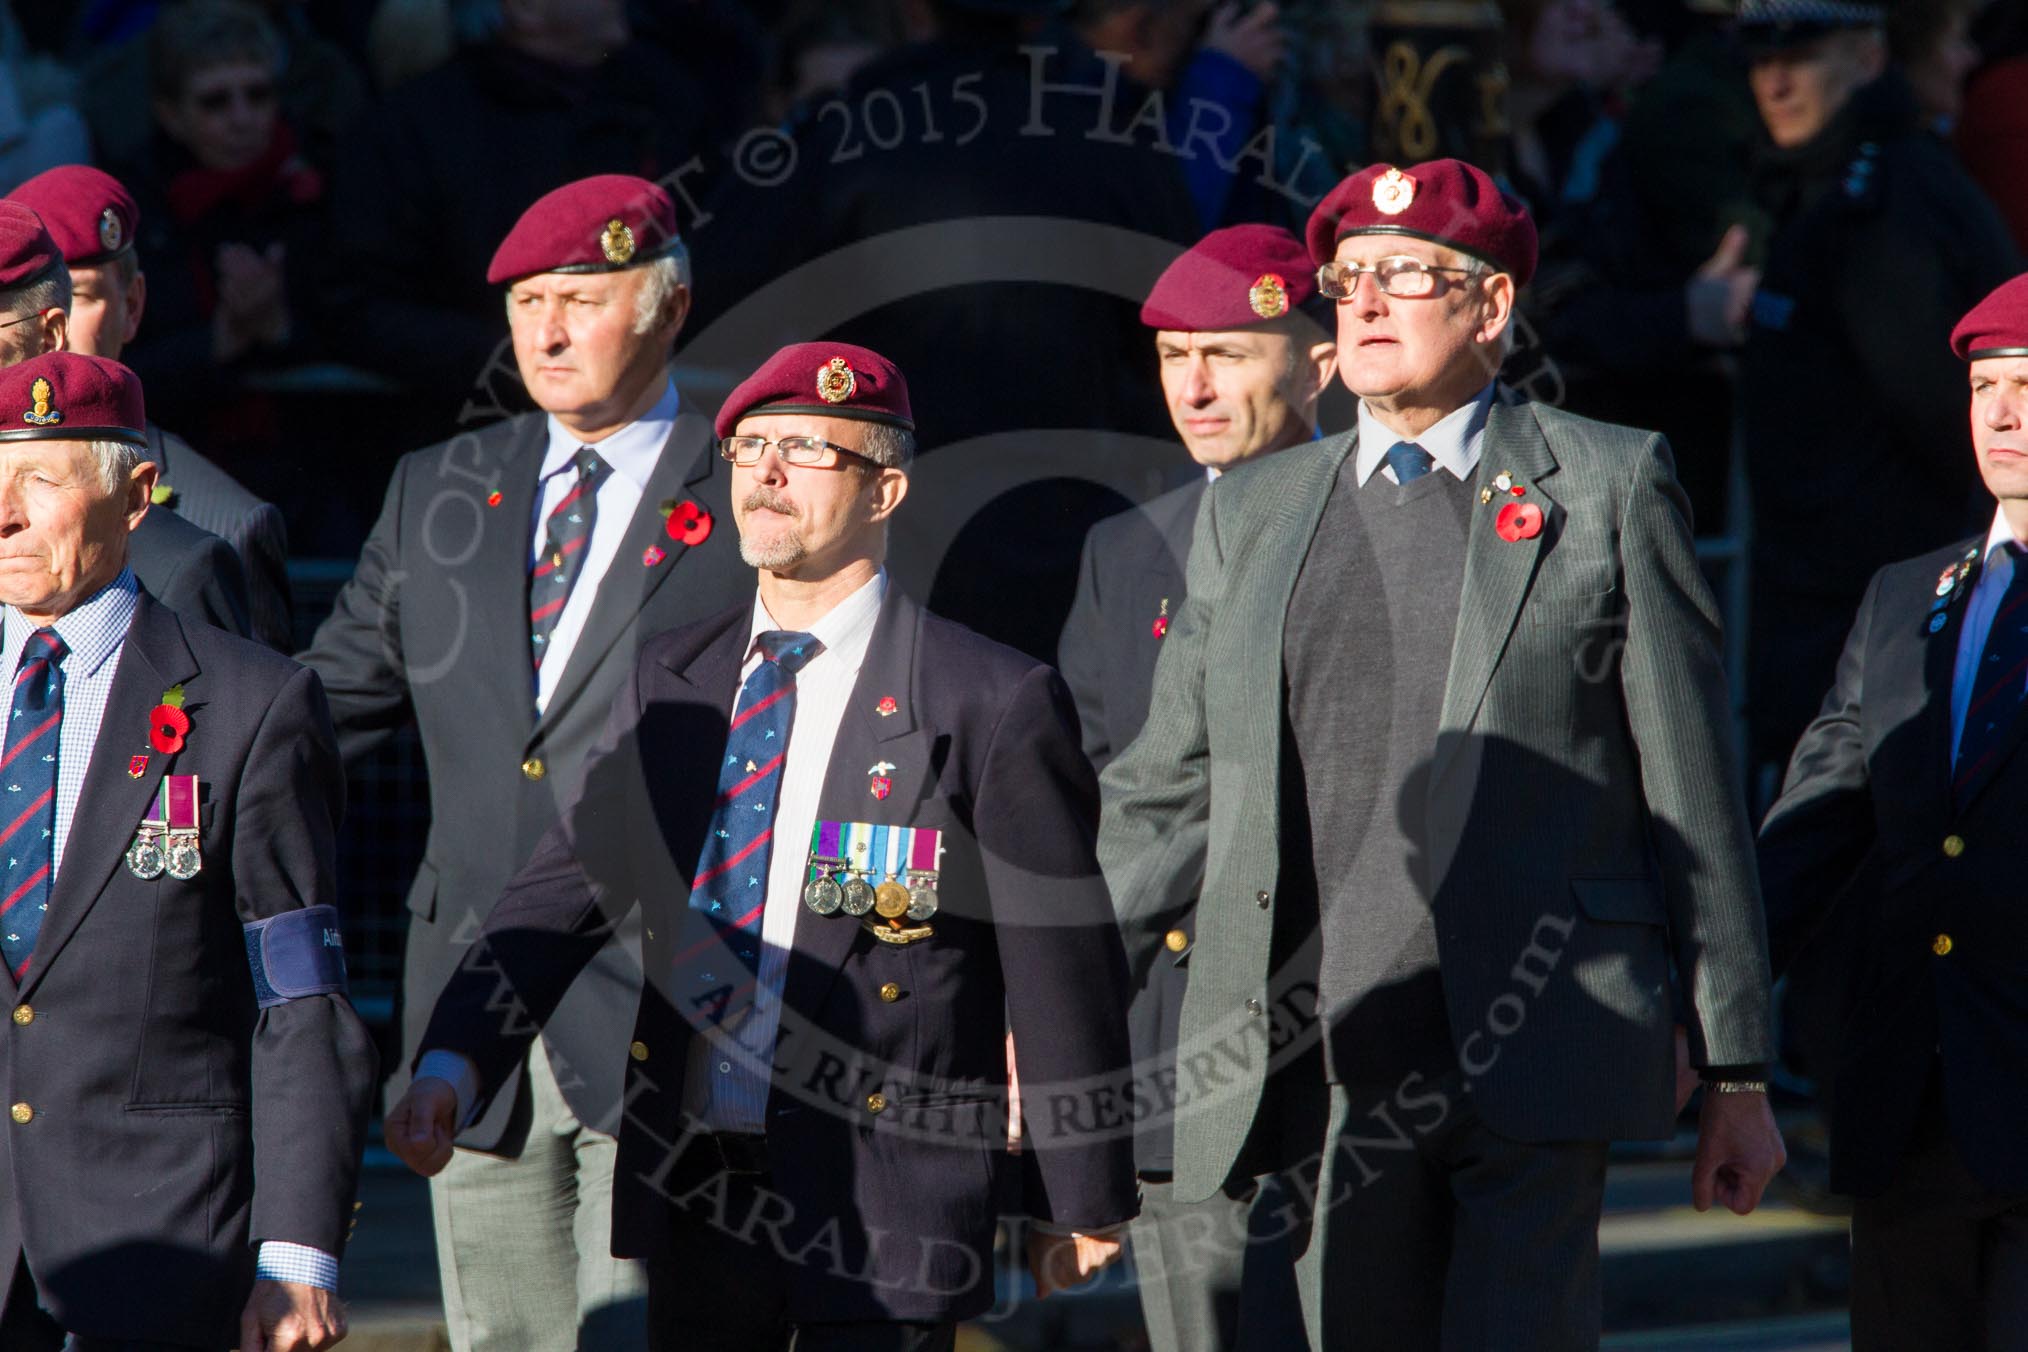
{"points": [[44, 645], [589, 464], [788, 648], [1408, 461]]}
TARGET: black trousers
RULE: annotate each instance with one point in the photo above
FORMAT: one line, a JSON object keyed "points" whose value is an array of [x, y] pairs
{"points": [[719, 1291], [1939, 1260], [1421, 1228], [28, 1328]]}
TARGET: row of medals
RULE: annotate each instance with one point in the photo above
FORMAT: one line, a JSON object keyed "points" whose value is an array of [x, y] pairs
{"points": [[858, 895], [155, 852]]}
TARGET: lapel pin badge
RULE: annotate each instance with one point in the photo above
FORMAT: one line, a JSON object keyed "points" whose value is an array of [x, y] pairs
{"points": [[652, 555], [878, 783], [887, 708], [493, 498], [685, 522], [137, 766], [1161, 627], [1518, 521]]}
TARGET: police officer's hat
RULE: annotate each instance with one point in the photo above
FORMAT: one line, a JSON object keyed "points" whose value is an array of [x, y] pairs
{"points": [[1770, 25]]}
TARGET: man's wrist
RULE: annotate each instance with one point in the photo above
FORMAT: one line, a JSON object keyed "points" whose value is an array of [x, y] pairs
{"points": [[280, 1261], [456, 1070]]}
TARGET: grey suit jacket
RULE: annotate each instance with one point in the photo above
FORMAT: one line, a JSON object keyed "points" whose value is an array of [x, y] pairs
{"points": [[1589, 836], [209, 498]]}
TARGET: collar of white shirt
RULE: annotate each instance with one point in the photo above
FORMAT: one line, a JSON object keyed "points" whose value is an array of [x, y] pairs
{"points": [[631, 451], [91, 633], [1453, 442], [844, 631], [1996, 559]]}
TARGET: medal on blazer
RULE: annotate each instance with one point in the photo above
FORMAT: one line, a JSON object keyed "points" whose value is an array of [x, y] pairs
{"points": [[1949, 587], [823, 893], [168, 841], [866, 870]]}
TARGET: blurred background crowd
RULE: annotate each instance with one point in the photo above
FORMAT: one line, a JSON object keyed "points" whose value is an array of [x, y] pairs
{"points": [[1756, 249]]}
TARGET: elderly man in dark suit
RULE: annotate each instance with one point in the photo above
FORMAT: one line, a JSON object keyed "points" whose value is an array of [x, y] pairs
{"points": [[1243, 360], [183, 566], [1900, 811], [94, 221], [500, 604], [1437, 752], [188, 1085], [861, 838]]}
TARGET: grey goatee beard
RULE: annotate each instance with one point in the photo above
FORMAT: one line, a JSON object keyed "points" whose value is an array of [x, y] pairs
{"points": [[780, 554]]}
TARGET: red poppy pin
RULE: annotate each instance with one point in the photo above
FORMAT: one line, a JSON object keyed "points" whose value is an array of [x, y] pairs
{"points": [[1161, 625], [1518, 521], [493, 498], [686, 522], [168, 725], [887, 707], [652, 555]]}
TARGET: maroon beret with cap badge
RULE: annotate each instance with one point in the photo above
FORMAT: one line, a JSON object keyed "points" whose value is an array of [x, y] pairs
{"points": [[1231, 279], [837, 380], [599, 224], [68, 396], [88, 213], [1445, 202], [26, 250], [1997, 326]]}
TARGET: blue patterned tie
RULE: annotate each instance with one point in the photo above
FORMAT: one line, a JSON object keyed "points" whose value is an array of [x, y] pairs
{"points": [[28, 776], [731, 882], [2002, 681], [563, 550], [1408, 461]]}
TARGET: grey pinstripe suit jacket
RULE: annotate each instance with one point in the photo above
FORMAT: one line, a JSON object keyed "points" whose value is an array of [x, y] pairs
{"points": [[1590, 848]]}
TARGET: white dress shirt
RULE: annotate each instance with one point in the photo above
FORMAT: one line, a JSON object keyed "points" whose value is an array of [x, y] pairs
{"points": [[1453, 442], [726, 1086], [94, 636], [631, 453], [1979, 610]]}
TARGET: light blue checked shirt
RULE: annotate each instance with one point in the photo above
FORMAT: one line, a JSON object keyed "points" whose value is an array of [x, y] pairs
{"points": [[95, 634]]}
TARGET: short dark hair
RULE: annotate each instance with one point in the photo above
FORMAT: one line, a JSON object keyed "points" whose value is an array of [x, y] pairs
{"points": [[196, 35]]}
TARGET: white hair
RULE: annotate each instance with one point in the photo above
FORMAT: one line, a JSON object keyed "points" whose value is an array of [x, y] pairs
{"points": [[664, 275], [115, 461]]}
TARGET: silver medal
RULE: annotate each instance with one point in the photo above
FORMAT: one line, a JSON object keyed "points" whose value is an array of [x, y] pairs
{"points": [[922, 902], [823, 895], [184, 859], [858, 898], [144, 857]]}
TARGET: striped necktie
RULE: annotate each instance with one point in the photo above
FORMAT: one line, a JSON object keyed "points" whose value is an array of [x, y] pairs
{"points": [[28, 790], [1998, 689], [731, 882], [1408, 461], [563, 550]]}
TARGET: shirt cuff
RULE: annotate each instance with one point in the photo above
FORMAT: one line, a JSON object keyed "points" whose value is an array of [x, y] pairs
{"points": [[456, 1070], [1094, 1232], [281, 1261]]}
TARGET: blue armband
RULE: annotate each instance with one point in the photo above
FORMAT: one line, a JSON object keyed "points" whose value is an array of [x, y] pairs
{"points": [[296, 954]]}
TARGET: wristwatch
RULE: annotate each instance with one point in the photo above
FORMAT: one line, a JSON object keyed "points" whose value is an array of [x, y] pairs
{"points": [[1736, 1086]]}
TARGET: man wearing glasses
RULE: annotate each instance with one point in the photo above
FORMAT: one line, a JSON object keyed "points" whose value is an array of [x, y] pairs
{"points": [[500, 603], [1441, 730], [861, 838]]}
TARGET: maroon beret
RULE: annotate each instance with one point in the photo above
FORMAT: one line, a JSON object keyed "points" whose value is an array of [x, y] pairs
{"points": [[599, 224], [1446, 202], [89, 215], [67, 396], [836, 380], [26, 250], [1997, 326], [1231, 279]]}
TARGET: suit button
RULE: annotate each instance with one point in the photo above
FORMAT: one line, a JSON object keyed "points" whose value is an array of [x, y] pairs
{"points": [[1953, 846], [22, 1113], [1941, 945], [890, 992], [1177, 940], [1253, 1006], [24, 1015], [533, 768], [876, 1103], [1262, 899], [638, 1050]]}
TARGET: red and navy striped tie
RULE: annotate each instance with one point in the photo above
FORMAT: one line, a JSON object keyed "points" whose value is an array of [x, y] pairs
{"points": [[563, 550], [2002, 681], [731, 882], [28, 792]]}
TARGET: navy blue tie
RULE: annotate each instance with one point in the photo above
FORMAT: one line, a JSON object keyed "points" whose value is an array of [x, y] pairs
{"points": [[563, 547], [28, 777], [1408, 461], [731, 882], [2001, 682]]}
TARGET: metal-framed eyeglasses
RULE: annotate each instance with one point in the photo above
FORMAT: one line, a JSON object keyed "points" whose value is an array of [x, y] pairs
{"points": [[1400, 276], [807, 452]]}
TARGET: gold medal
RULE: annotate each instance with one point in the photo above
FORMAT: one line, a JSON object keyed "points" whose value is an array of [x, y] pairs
{"points": [[890, 900]]}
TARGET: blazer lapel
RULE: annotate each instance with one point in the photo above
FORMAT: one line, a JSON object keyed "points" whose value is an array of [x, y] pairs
{"points": [[866, 737], [1498, 572], [688, 458], [498, 571], [1937, 655], [113, 802], [1943, 656]]}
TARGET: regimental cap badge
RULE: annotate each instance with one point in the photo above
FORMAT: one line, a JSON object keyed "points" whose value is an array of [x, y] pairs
{"points": [[836, 381], [1269, 296], [111, 235], [617, 241], [42, 415], [1393, 191]]}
